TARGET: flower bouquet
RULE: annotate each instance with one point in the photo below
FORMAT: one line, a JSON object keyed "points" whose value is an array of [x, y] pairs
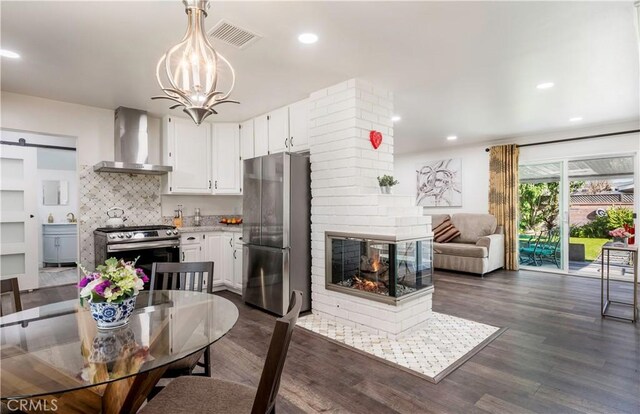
{"points": [[111, 291], [620, 235]]}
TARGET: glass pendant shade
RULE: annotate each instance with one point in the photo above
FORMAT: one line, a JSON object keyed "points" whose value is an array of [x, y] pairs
{"points": [[192, 69]]}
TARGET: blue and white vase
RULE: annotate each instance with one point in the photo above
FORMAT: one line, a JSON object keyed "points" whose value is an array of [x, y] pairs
{"points": [[112, 315]]}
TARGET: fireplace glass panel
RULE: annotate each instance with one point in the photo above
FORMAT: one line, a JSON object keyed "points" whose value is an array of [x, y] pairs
{"points": [[377, 267]]}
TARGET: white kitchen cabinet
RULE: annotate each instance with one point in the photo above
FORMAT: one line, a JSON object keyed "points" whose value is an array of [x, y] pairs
{"points": [[278, 122], [299, 126], [191, 253], [213, 253], [227, 259], [237, 262], [191, 248], [226, 159], [187, 148], [246, 140], [224, 249], [261, 135]]}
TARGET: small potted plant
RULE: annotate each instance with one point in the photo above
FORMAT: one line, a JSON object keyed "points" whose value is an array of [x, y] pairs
{"points": [[111, 291], [620, 235], [386, 182]]}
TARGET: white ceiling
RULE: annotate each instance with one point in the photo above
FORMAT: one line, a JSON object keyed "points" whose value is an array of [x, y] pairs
{"points": [[463, 68]]}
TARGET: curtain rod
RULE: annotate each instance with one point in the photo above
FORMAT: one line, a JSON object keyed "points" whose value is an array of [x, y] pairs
{"points": [[557, 141], [23, 143]]}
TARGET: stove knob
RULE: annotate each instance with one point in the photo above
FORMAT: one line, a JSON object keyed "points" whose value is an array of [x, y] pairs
{"points": [[120, 235], [112, 236], [168, 232], [175, 232], [129, 235]]}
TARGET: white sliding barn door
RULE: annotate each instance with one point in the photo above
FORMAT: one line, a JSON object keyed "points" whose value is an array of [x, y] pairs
{"points": [[18, 221]]}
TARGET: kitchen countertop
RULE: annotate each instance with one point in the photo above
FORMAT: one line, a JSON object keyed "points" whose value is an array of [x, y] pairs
{"points": [[203, 229]]}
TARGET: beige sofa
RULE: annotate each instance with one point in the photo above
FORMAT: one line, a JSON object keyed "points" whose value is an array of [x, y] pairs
{"points": [[479, 248]]}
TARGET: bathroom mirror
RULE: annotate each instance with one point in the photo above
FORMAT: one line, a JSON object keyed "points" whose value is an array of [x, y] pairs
{"points": [[55, 193]]}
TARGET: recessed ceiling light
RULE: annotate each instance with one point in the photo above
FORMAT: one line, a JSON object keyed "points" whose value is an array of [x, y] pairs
{"points": [[452, 138], [575, 119], [9, 54], [545, 85], [395, 118], [308, 38]]}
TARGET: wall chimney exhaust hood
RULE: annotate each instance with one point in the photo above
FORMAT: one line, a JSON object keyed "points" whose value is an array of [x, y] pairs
{"points": [[131, 146]]}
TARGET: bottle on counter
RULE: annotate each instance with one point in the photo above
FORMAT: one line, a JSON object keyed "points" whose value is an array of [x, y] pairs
{"points": [[196, 218], [50, 218], [177, 218]]}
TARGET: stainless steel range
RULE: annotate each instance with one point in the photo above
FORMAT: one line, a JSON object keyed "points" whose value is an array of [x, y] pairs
{"points": [[147, 243]]}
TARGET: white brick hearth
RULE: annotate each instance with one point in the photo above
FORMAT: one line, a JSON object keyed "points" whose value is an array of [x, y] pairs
{"points": [[346, 198]]}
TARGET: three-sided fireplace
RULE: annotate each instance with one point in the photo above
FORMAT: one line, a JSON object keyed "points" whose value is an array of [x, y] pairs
{"points": [[380, 268]]}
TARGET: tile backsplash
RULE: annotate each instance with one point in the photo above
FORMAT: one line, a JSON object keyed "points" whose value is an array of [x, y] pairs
{"points": [[137, 195]]}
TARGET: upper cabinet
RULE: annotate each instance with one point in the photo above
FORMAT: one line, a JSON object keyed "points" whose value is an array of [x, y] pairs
{"points": [[282, 130], [225, 169], [246, 140], [207, 159], [261, 135], [299, 126], [187, 148], [278, 122]]}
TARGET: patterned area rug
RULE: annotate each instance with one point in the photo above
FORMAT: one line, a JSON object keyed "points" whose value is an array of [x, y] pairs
{"points": [[432, 352]]}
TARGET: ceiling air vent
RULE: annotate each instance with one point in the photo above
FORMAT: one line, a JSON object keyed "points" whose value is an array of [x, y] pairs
{"points": [[232, 34]]}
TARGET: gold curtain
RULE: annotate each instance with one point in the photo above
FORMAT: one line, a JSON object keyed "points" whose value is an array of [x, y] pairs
{"points": [[503, 197]]}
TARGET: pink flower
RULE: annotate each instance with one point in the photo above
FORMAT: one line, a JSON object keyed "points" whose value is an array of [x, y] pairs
{"points": [[140, 273], [99, 289], [84, 281]]}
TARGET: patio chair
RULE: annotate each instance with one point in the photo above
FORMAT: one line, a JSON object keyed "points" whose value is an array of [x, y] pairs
{"points": [[547, 250], [527, 249]]}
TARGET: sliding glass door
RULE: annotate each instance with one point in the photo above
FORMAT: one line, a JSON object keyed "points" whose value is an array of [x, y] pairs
{"points": [[602, 199], [568, 209], [542, 217]]}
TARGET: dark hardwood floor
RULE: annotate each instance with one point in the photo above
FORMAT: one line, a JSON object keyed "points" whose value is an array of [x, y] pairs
{"points": [[558, 355]]}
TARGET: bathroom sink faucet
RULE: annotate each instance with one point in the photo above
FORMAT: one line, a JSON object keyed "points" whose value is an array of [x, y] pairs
{"points": [[71, 219]]}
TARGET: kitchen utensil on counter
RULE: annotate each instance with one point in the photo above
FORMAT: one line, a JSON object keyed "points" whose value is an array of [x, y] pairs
{"points": [[177, 218], [116, 217], [196, 218]]}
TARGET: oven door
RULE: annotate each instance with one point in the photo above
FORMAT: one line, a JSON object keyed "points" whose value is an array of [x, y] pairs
{"points": [[147, 253]]}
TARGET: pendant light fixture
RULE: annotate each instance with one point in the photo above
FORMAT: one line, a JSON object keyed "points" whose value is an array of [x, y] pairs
{"points": [[193, 68]]}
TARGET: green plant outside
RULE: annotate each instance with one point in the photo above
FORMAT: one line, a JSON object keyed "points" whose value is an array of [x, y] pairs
{"points": [[592, 246], [599, 227]]}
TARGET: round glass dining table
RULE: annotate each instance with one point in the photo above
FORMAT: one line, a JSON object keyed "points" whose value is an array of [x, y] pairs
{"points": [[56, 350]]}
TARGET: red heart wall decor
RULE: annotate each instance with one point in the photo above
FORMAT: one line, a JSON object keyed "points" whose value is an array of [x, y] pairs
{"points": [[376, 139]]}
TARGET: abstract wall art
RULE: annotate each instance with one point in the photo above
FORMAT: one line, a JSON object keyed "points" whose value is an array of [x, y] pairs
{"points": [[439, 183]]}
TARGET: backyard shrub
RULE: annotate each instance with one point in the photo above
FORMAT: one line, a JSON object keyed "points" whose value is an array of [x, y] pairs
{"points": [[600, 226]]}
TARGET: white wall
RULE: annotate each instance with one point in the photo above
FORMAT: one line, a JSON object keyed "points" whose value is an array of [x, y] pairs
{"points": [[475, 161], [475, 177], [93, 127]]}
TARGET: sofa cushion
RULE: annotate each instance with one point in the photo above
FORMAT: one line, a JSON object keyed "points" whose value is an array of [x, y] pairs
{"points": [[461, 249], [473, 226], [437, 219], [445, 232]]}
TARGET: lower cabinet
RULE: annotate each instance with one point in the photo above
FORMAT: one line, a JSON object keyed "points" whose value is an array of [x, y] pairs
{"points": [[59, 243], [219, 248]]}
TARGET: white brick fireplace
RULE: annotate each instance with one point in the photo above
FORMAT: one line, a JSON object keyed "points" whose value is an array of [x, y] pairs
{"points": [[346, 198]]}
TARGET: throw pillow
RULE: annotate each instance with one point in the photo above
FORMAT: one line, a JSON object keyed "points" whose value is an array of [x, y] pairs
{"points": [[445, 232]]}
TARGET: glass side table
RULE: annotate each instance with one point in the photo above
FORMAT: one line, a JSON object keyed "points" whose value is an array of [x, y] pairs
{"points": [[605, 301]]}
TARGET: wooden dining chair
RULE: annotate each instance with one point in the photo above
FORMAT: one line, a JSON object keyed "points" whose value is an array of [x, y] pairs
{"points": [[10, 286], [209, 395], [184, 276]]}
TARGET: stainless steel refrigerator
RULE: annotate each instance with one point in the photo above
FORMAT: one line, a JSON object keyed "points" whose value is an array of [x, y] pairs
{"points": [[276, 213]]}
